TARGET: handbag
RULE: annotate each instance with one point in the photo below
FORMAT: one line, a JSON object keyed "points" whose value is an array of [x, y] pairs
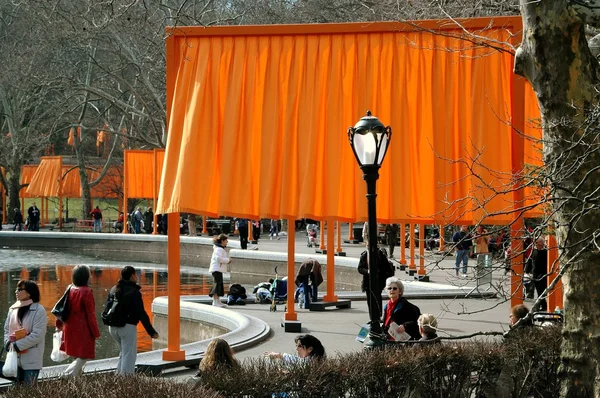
{"points": [[10, 367], [61, 308], [57, 355]]}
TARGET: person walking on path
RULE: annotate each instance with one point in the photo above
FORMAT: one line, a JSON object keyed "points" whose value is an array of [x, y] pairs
{"points": [[537, 267], [391, 232], [148, 220], [97, 217], [80, 331], [18, 220], [274, 231], [34, 218], [25, 330], [137, 220], [127, 294], [242, 228], [218, 266], [463, 243]]}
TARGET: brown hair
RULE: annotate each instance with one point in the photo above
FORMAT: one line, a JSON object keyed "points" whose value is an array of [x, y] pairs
{"points": [[218, 355], [219, 239]]}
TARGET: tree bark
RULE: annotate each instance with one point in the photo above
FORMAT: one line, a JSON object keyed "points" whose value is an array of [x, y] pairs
{"points": [[554, 56]]}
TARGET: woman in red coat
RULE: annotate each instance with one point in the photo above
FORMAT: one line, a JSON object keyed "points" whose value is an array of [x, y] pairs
{"points": [[80, 331]]}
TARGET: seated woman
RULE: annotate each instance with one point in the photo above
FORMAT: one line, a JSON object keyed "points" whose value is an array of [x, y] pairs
{"points": [[517, 313], [428, 328], [118, 225], [399, 313], [307, 346], [218, 357]]}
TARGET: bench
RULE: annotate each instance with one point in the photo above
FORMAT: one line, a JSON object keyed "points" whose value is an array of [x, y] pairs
{"points": [[321, 305]]}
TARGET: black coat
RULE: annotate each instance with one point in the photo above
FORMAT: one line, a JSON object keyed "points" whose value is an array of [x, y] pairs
{"points": [[405, 314], [537, 264], [130, 298], [18, 217], [385, 270]]}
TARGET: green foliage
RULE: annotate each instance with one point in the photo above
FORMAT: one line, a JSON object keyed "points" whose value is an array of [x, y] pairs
{"points": [[523, 365]]}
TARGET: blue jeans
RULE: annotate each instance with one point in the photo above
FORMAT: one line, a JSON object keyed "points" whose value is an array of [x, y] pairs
{"points": [[97, 225], [27, 377], [464, 256]]}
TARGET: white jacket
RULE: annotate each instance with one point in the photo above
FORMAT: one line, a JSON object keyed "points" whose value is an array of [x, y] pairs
{"points": [[218, 260], [36, 322]]}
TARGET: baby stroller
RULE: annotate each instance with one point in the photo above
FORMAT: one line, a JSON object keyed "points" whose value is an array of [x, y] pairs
{"points": [[278, 292]]}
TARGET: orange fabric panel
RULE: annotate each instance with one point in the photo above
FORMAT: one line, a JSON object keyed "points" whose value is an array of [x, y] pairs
{"points": [[110, 186], [71, 183], [27, 172], [533, 151], [283, 103], [139, 176], [45, 181]]}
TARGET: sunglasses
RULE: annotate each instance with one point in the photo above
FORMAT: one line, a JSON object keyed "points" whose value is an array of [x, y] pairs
{"points": [[392, 288]]}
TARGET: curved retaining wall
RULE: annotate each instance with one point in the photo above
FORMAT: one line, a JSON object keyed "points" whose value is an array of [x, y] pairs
{"points": [[254, 266]]}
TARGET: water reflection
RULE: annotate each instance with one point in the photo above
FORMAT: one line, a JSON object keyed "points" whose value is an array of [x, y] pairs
{"points": [[53, 278]]}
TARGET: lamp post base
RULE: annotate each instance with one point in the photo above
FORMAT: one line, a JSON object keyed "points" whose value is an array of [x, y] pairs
{"points": [[374, 342]]}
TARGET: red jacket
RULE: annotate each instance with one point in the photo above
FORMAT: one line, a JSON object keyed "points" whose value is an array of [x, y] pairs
{"points": [[81, 329]]}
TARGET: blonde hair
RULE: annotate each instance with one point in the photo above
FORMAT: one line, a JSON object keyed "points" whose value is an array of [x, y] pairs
{"points": [[428, 323], [218, 355]]}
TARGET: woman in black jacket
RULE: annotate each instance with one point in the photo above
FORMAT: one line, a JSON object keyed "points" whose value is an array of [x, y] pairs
{"points": [[131, 310], [399, 315]]}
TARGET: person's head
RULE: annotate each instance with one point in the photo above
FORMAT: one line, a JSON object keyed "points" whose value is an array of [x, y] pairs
{"points": [[464, 228], [27, 290], [394, 288], [97, 208], [81, 275], [480, 229], [221, 240], [271, 280], [122, 213], [218, 354], [149, 208], [427, 325], [540, 243], [139, 209], [128, 273], [16, 209], [309, 346], [518, 312], [33, 204]]}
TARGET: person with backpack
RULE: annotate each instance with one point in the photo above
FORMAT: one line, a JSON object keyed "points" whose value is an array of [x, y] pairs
{"points": [[137, 220], [124, 309]]}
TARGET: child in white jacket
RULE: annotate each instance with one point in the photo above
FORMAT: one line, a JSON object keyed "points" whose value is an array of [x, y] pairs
{"points": [[218, 265]]}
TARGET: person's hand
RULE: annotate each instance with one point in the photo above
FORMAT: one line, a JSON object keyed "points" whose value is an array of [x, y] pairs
{"points": [[272, 355], [401, 329], [12, 338], [154, 336]]}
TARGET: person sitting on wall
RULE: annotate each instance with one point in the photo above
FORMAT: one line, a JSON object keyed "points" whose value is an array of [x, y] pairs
{"points": [[237, 295]]}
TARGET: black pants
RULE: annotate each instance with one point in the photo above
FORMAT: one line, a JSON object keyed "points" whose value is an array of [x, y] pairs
{"points": [[255, 233], [540, 286], [243, 237]]}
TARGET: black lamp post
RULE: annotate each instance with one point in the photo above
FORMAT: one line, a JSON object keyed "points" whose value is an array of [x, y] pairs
{"points": [[369, 140]]}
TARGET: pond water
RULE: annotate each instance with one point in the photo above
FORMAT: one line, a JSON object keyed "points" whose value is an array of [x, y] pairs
{"points": [[52, 272]]}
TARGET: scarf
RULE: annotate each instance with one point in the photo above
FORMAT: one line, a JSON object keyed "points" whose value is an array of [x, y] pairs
{"points": [[14, 323]]}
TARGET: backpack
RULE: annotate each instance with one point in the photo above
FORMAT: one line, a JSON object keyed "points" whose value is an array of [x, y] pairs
{"points": [[113, 312], [387, 269]]}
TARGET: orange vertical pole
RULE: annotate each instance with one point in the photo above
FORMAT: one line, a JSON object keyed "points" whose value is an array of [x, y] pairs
{"points": [[155, 184], [412, 266], [4, 206], [42, 212], [555, 297], [517, 153], [173, 352], [351, 231], [330, 296], [290, 314], [402, 244], [60, 198], [322, 246], [126, 220], [204, 230], [338, 249], [421, 270]]}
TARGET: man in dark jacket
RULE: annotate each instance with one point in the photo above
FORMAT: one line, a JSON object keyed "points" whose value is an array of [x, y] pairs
{"points": [[462, 241], [537, 266], [386, 270], [148, 220], [34, 218], [18, 221], [129, 297], [310, 269], [391, 234]]}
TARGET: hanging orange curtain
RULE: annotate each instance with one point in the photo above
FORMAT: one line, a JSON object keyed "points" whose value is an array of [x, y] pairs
{"points": [[138, 180], [287, 95], [45, 181], [27, 173]]}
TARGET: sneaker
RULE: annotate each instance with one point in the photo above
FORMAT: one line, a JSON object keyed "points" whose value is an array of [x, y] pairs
{"points": [[464, 275], [217, 304]]}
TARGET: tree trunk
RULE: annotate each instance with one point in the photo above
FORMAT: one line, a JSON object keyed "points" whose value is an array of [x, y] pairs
{"points": [[12, 195], [554, 56]]}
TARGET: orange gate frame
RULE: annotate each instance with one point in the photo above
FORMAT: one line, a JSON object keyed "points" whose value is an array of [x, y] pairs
{"points": [[203, 120]]}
